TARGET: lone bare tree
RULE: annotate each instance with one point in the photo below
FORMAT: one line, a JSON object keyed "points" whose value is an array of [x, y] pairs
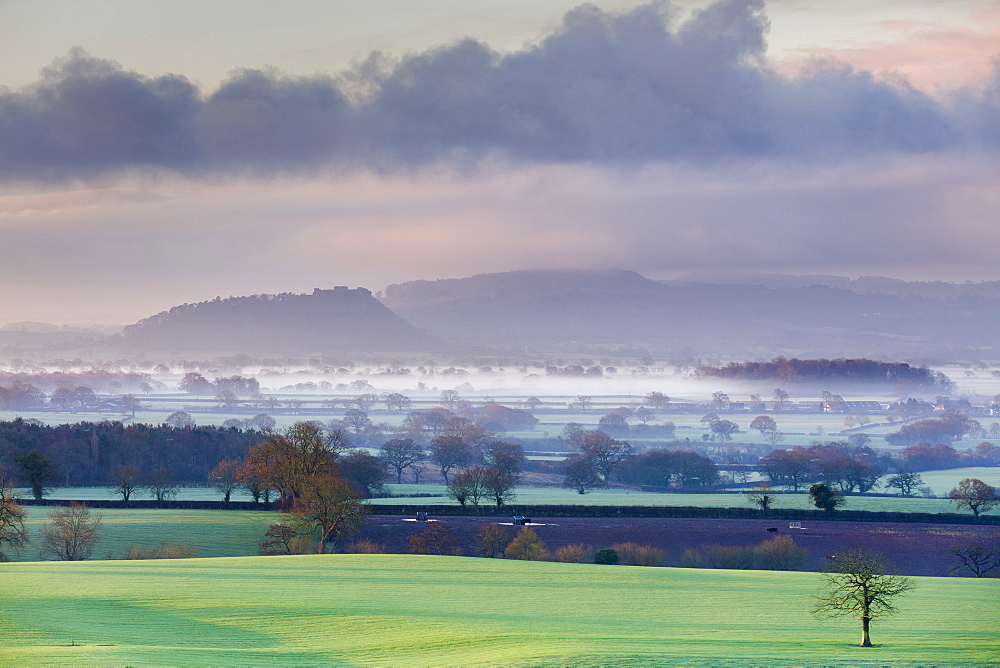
{"points": [[762, 496], [71, 533], [860, 581]]}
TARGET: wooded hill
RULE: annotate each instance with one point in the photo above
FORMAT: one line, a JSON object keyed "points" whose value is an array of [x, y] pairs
{"points": [[326, 321]]}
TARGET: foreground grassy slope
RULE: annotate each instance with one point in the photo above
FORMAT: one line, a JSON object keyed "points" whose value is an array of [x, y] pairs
{"points": [[396, 609]]}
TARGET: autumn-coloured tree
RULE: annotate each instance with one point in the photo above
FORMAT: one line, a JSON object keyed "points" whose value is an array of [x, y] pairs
{"points": [[527, 546], [330, 505], [285, 459], [436, 538], [492, 540], [603, 452]]}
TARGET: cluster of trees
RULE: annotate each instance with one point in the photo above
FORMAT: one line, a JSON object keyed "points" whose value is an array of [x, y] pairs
{"points": [[927, 457], [595, 458], [837, 370], [304, 465], [843, 464], [28, 391], [240, 386], [950, 427], [85, 453], [494, 479]]}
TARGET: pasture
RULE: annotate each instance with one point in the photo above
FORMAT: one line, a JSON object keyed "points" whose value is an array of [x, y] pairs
{"points": [[216, 533], [425, 610], [624, 497]]}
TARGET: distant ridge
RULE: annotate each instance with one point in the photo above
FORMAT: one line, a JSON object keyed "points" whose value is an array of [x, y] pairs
{"points": [[807, 316], [340, 320]]}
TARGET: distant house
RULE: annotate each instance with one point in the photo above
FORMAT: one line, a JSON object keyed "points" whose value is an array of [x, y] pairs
{"points": [[960, 405], [863, 407]]}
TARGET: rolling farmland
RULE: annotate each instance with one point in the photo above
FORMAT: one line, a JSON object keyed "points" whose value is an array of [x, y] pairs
{"points": [[395, 609]]}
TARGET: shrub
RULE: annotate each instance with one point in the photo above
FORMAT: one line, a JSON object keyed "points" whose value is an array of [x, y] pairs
{"points": [[492, 540], [634, 554], [527, 546], [282, 539], [693, 557], [779, 554], [435, 539], [573, 554], [165, 550], [728, 556], [365, 546], [607, 556]]}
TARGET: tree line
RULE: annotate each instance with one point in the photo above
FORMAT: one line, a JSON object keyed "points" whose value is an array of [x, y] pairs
{"points": [[855, 370]]}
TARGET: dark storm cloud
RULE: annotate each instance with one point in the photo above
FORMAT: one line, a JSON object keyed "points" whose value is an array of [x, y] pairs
{"points": [[604, 88]]}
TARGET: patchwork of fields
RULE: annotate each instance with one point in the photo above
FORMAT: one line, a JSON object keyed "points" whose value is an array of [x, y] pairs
{"points": [[396, 610]]}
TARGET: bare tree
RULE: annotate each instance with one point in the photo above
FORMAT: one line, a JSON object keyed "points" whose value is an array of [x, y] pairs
{"points": [[468, 486], [762, 496], [977, 559], [12, 532], [859, 582], [400, 454], [161, 484], [905, 481], [974, 494], [225, 477], [124, 480], [71, 533]]}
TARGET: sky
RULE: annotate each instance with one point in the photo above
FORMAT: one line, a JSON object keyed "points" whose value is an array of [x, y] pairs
{"points": [[153, 154]]}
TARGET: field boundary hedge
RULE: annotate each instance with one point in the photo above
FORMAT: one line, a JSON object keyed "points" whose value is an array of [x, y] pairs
{"points": [[785, 514]]}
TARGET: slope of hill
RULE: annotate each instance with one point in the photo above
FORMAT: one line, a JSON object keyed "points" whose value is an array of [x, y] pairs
{"points": [[577, 310], [326, 321]]}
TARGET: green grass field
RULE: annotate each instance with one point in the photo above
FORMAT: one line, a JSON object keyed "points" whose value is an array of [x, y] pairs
{"points": [[216, 533], [411, 610], [621, 497]]}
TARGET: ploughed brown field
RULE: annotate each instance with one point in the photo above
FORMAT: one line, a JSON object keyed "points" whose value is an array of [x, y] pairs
{"points": [[916, 549]]}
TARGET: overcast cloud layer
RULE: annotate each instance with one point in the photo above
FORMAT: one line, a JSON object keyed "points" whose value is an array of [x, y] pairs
{"points": [[651, 140], [624, 89]]}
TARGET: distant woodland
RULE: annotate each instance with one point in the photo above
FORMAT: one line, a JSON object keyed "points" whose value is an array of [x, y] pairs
{"points": [[839, 371]]}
